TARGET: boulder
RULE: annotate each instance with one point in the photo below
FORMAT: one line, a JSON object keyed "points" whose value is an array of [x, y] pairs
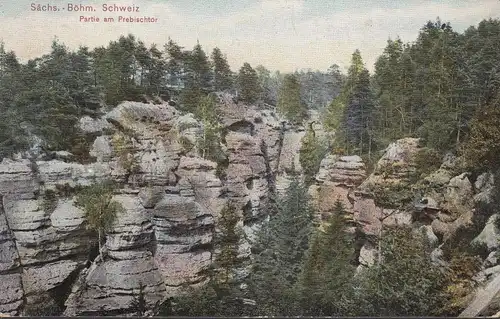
{"points": [[490, 235]]}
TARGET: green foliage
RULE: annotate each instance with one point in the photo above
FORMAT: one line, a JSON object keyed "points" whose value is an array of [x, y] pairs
{"points": [[139, 303], [432, 87], [227, 241], [289, 103], [311, 154], [336, 109], [324, 286], [396, 196], [99, 207], [199, 73], [81, 145], [426, 161], [459, 283], [223, 77], [281, 247], [220, 296], [66, 190], [124, 148], [191, 98], [209, 142], [248, 84], [357, 124], [404, 283], [482, 149], [186, 144]]}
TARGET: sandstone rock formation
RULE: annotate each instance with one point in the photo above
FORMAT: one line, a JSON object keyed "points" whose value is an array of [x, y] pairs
{"points": [[172, 199]]}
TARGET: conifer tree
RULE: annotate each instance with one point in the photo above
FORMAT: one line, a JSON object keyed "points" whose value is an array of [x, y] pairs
{"points": [[223, 77], [176, 63], [199, 71], [289, 103], [310, 155], [336, 108], [357, 124], [282, 244], [248, 84], [156, 71], [325, 282]]}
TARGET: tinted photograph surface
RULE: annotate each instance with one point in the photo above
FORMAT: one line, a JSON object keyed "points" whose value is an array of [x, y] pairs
{"points": [[250, 158]]}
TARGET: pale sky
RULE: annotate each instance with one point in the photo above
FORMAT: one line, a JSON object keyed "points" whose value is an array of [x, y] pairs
{"points": [[283, 35]]}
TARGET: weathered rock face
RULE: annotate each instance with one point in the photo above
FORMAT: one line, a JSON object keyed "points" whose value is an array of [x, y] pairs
{"points": [[395, 166], [337, 176], [172, 199]]}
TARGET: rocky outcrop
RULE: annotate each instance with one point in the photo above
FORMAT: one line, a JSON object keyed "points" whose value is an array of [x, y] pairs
{"points": [[172, 198], [337, 177]]}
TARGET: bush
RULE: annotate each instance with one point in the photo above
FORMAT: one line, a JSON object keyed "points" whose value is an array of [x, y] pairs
{"points": [[426, 161], [404, 283], [100, 210], [460, 285], [395, 196]]}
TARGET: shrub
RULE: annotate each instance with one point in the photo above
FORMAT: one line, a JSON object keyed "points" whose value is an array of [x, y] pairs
{"points": [[404, 283], [426, 161], [459, 285], [100, 210], [394, 196]]}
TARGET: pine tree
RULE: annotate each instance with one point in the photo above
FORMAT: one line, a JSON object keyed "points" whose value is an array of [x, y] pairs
{"points": [[199, 71], [156, 71], [248, 84], [289, 103], [282, 243], [357, 124], [325, 281], [265, 83], [404, 283], [223, 77], [176, 64], [310, 155], [336, 108]]}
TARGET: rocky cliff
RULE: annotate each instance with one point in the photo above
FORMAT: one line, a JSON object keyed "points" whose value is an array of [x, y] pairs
{"points": [[163, 240], [172, 199]]}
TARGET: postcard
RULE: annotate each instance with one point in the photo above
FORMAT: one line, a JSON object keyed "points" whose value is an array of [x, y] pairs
{"points": [[250, 158]]}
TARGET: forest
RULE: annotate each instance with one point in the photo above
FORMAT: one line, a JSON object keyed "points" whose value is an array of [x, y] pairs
{"points": [[443, 87]]}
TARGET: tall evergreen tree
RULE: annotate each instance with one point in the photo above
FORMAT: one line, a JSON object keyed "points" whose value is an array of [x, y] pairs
{"points": [[289, 102], [199, 71], [157, 70], [357, 125], [310, 155], [325, 285], [336, 108], [223, 77], [248, 84], [282, 243], [176, 63]]}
